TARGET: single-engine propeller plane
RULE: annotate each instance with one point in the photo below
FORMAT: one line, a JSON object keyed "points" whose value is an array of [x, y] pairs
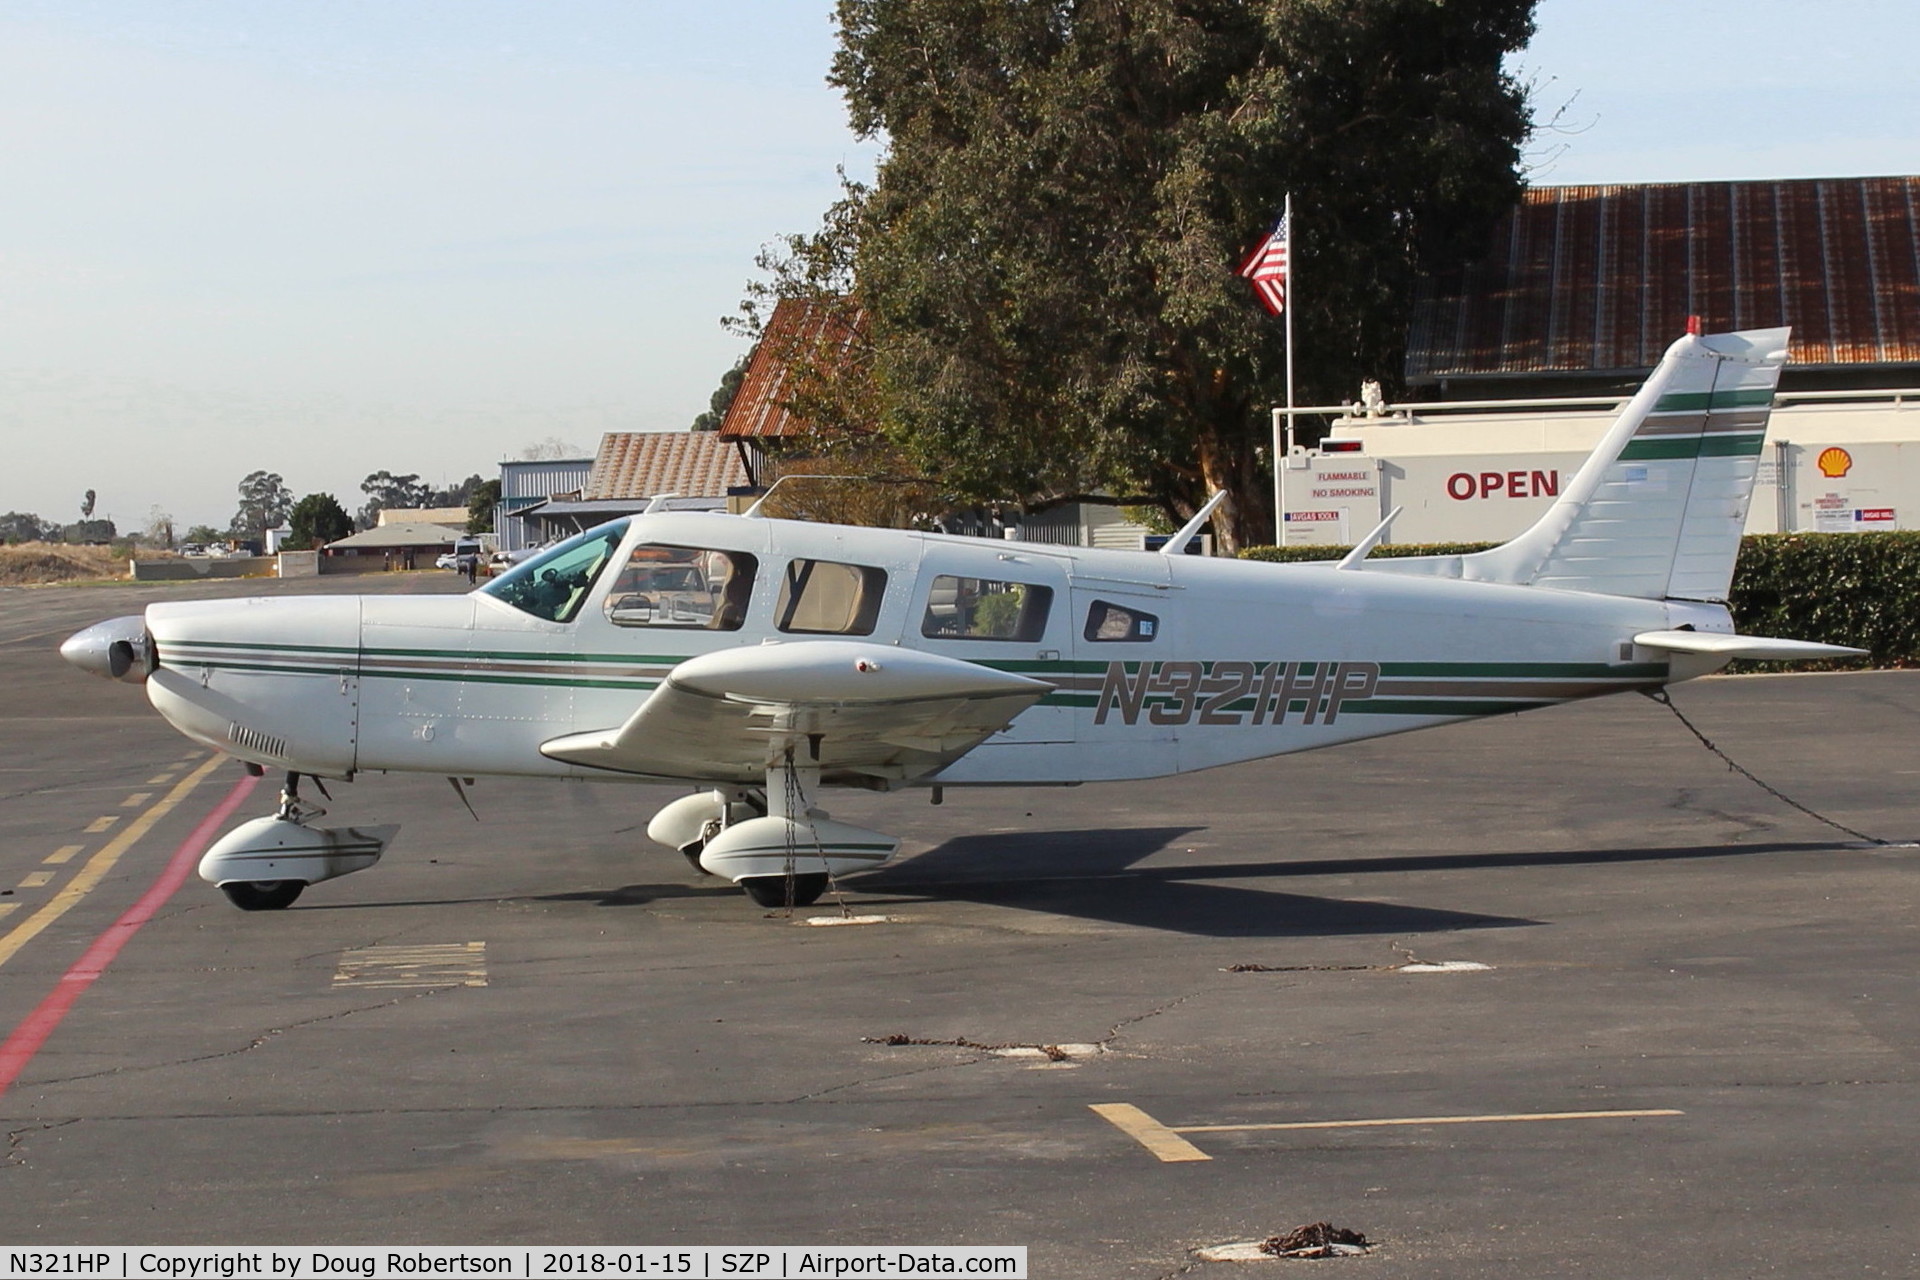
{"points": [[761, 660]]}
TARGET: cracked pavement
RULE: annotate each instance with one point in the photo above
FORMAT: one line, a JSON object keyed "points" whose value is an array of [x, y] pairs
{"points": [[654, 1060]]}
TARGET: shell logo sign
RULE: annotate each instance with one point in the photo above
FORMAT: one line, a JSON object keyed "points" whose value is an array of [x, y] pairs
{"points": [[1834, 462]]}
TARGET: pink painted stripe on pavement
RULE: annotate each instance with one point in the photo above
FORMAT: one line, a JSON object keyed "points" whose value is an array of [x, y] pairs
{"points": [[25, 1041]]}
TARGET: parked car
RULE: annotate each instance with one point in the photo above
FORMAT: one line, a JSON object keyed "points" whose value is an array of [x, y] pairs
{"points": [[446, 560]]}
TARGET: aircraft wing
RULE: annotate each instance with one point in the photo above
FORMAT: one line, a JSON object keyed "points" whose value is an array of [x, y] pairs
{"points": [[851, 708]]}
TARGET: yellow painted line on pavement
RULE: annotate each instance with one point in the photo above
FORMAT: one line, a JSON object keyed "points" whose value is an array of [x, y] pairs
{"points": [[8, 908], [137, 799], [95, 869], [1148, 1132], [160, 779], [35, 879], [1406, 1120], [63, 854], [1165, 1142], [98, 825]]}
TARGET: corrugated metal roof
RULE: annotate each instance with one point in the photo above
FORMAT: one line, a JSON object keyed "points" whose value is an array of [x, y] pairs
{"points": [[759, 409], [1591, 279], [640, 464]]}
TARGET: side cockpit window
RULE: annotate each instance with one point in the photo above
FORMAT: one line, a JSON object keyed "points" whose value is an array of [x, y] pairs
{"points": [[823, 597], [984, 609], [554, 584], [663, 586], [1109, 621]]}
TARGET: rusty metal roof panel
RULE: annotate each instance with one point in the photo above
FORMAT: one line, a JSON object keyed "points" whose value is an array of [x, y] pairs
{"points": [[1584, 279], [762, 406], [643, 464]]}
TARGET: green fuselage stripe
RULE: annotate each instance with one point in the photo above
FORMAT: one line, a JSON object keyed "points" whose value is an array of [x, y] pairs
{"points": [[1662, 448]]}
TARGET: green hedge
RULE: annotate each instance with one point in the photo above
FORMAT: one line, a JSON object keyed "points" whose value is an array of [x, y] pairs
{"points": [[1859, 589]]}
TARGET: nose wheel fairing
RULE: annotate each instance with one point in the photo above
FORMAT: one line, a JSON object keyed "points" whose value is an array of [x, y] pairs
{"points": [[265, 864]]}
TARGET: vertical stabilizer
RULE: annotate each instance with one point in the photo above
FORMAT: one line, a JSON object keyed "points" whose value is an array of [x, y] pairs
{"points": [[1658, 508]]}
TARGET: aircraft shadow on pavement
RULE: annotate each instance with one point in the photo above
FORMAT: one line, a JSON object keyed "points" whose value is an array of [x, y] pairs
{"points": [[631, 895], [1090, 874]]}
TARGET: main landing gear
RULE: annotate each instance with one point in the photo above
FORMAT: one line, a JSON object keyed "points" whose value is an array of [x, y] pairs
{"points": [[777, 847]]}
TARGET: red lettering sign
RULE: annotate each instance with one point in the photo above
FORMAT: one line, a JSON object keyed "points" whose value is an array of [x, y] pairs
{"points": [[1462, 485]]}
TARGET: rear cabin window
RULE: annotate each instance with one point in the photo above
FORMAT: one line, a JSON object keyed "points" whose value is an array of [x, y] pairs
{"points": [[554, 584], [1109, 621], [984, 609], [689, 587], [823, 597]]}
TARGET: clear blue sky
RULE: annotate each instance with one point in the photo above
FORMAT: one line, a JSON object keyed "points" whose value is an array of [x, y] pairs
{"points": [[328, 237]]}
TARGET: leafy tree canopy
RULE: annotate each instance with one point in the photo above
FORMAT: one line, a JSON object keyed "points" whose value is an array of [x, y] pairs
{"points": [[97, 532], [1046, 259], [385, 489], [456, 495], [485, 496], [265, 501], [722, 398], [24, 526], [316, 520]]}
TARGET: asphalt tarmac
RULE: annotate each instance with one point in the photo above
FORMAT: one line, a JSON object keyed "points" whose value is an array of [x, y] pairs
{"points": [[537, 1028]]}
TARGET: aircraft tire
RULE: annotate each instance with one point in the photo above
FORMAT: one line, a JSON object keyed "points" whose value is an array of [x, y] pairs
{"points": [[771, 891], [263, 895]]}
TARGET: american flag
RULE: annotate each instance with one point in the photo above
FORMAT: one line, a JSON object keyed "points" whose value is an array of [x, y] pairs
{"points": [[1266, 266]]}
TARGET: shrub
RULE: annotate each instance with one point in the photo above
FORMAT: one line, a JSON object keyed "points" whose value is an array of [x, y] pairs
{"points": [[1858, 589]]}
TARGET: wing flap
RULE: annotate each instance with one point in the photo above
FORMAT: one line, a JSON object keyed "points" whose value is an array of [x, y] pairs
{"points": [[865, 709]]}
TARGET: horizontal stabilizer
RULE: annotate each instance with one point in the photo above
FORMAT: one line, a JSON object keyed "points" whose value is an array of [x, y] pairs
{"points": [[1752, 648]]}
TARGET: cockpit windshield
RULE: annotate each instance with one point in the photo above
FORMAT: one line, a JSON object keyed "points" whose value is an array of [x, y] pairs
{"points": [[554, 584]]}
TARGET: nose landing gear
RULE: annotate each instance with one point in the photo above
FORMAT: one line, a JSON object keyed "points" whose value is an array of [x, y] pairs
{"points": [[265, 864]]}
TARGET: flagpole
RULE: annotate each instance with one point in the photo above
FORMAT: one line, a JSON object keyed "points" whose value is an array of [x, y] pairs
{"points": [[1280, 457]]}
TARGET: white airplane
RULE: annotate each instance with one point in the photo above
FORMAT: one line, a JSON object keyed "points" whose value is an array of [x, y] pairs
{"points": [[761, 660]]}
